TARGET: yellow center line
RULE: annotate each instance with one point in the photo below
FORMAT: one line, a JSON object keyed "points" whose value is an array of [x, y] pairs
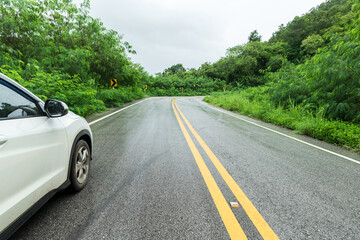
{"points": [[232, 225], [264, 229]]}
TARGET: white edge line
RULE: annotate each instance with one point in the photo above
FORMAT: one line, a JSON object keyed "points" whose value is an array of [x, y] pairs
{"points": [[282, 134], [109, 115]]}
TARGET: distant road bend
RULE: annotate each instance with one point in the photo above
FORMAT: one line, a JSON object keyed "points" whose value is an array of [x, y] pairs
{"points": [[178, 168]]}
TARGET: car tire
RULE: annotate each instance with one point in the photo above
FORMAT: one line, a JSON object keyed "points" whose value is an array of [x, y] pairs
{"points": [[80, 166]]}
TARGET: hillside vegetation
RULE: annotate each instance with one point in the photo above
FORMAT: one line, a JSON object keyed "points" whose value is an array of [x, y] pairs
{"points": [[56, 50], [315, 86]]}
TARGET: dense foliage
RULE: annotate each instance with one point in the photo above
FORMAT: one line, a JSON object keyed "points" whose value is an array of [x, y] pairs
{"points": [[305, 34], [330, 80], [177, 81], [57, 50], [246, 64], [308, 72]]}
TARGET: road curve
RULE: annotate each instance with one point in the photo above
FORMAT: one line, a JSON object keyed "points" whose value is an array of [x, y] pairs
{"points": [[146, 181]]}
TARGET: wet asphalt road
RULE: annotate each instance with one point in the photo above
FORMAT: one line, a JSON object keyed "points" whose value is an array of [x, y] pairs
{"points": [[145, 183]]}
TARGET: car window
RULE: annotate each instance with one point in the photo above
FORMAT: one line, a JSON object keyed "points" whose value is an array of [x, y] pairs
{"points": [[15, 105]]}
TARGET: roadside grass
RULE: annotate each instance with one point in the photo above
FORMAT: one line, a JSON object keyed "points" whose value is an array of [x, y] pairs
{"points": [[294, 117]]}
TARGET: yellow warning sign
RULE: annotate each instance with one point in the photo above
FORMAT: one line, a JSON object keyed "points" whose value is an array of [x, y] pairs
{"points": [[113, 82]]}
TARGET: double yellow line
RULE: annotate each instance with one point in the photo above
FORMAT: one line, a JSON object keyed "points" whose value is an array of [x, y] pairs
{"points": [[231, 223]]}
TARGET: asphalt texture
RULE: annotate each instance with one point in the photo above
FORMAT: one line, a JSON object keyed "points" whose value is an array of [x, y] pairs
{"points": [[145, 183]]}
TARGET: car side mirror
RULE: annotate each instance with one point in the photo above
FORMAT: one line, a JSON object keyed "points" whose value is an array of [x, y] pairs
{"points": [[55, 108]]}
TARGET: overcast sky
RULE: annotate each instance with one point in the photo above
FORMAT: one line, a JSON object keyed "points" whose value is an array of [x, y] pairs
{"points": [[191, 32]]}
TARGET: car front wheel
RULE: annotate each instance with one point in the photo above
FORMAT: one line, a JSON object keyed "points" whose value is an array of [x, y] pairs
{"points": [[80, 166]]}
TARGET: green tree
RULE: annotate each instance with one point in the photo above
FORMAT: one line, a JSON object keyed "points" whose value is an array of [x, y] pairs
{"points": [[175, 69], [328, 17], [254, 36]]}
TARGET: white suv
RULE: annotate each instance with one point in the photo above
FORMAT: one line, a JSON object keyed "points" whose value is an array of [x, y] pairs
{"points": [[44, 148]]}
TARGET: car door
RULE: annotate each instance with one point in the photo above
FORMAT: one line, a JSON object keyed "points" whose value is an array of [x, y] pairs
{"points": [[30, 145]]}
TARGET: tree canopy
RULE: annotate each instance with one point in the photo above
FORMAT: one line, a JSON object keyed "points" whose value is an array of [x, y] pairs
{"points": [[59, 36], [58, 50]]}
